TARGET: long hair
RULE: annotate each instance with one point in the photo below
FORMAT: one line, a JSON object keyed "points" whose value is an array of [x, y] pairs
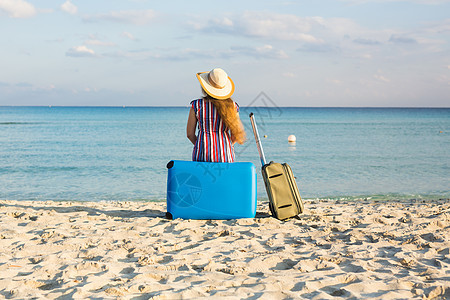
{"points": [[228, 114]]}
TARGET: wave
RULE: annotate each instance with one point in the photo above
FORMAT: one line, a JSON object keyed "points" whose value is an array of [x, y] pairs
{"points": [[20, 123]]}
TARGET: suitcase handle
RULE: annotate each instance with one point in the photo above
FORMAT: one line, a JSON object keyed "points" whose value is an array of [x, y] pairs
{"points": [[258, 141]]}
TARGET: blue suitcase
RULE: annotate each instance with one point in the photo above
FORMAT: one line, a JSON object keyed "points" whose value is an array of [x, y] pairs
{"points": [[207, 190]]}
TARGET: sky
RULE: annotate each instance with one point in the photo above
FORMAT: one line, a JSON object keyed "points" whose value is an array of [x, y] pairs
{"points": [[314, 53]]}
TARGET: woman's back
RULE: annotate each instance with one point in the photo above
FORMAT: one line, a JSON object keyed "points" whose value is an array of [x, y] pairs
{"points": [[216, 116], [214, 143]]}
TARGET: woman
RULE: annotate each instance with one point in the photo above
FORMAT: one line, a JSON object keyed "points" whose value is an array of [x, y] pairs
{"points": [[217, 116]]}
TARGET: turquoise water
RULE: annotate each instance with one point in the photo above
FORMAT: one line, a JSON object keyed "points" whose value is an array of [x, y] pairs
{"points": [[116, 153]]}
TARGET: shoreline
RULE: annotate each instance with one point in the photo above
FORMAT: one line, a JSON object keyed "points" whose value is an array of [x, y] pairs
{"points": [[403, 198], [128, 249]]}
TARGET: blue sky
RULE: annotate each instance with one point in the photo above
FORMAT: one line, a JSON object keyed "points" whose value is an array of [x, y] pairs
{"points": [[299, 53]]}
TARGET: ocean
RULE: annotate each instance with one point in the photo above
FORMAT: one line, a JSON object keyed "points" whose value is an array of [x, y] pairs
{"points": [[120, 153]]}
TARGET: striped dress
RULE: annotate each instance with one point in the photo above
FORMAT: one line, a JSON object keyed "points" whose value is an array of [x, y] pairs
{"points": [[213, 138]]}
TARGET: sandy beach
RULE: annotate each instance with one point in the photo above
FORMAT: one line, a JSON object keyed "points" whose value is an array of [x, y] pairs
{"points": [[129, 250]]}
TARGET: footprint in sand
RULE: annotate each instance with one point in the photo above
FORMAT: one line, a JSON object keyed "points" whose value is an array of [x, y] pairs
{"points": [[84, 268], [36, 260], [127, 270], [286, 264]]}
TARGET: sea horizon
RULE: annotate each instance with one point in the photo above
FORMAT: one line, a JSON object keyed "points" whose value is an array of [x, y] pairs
{"points": [[256, 106]]}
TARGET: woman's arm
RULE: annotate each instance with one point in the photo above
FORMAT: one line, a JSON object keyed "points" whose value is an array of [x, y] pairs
{"points": [[233, 140], [190, 128]]}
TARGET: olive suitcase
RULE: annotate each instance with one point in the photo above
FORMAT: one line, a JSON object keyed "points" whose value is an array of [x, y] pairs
{"points": [[284, 198]]}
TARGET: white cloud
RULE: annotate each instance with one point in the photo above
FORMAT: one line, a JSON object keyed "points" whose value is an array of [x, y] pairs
{"points": [[128, 36], [137, 17], [17, 8], [50, 87], [265, 51], [288, 75], [284, 27], [262, 25], [269, 50], [321, 32], [366, 56], [96, 42], [335, 81], [69, 7], [324, 36], [80, 51], [380, 77]]}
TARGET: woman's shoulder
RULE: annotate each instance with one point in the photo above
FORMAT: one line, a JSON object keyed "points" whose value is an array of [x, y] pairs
{"points": [[195, 101], [197, 104]]}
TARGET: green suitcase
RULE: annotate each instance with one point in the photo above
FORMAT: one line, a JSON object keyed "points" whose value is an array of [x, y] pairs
{"points": [[284, 198]]}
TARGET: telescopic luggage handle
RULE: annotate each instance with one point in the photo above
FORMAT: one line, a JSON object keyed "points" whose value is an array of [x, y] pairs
{"points": [[258, 141]]}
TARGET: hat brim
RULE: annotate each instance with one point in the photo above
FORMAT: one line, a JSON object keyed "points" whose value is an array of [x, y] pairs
{"points": [[216, 93]]}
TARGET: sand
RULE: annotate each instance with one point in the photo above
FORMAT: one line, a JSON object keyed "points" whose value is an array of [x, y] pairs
{"points": [[128, 250]]}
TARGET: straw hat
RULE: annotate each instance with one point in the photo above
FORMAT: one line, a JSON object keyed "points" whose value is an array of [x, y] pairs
{"points": [[216, 83]]}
